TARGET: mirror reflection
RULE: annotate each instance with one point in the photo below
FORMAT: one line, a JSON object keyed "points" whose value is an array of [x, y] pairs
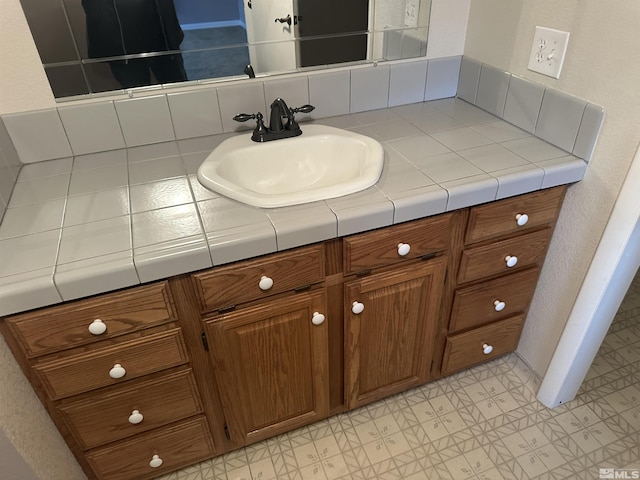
{"points": [[93, 46], [116, 28]]}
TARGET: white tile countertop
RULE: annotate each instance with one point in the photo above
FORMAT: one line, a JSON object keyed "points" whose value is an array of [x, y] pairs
{"points": [[80, 226]]}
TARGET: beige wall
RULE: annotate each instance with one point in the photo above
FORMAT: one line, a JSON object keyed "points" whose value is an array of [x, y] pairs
{"points": [[13, 465], [603, 66], [25, 423], [23, 83]]}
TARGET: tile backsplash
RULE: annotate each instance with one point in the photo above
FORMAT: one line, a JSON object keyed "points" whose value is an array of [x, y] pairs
{"points": [[562, 120], [9, 168], [565, 121], [82, 129]]}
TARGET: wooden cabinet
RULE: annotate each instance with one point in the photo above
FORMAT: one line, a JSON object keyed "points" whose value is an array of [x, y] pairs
{"points": [[392, 307], [505, 246], [71, 325], [271, 362], [477, 345], [121, 393], [504, 256], [265, 325], [153, 378], [112, 364], [224, 288], [514, 215], [487, 301], [123, 411], [397, 244], [153, 453], [390, 322]]}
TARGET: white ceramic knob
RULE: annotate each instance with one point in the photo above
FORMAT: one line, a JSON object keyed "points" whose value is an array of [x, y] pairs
{"points": [[487, 349], [265, 283], [155, 462], [522, 219], [97, 327], [135, 417], [511, 260], [317, 318], [117, 371], [403, 249], [499, 306], [357, 307]]}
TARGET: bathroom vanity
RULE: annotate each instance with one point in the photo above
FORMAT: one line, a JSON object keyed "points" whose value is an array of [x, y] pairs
{"points": [[152, 378]]}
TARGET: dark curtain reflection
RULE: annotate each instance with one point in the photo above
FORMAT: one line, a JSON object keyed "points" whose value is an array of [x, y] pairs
{"points": [[127, 27]]}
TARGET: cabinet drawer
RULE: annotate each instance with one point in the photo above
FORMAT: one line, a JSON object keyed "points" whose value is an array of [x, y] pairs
{"points": [[489, 301], [467, 349], [67, 326], [87, 371], [104, 417], [495, 258], [242, 281], [382, 247], [176, 446], [508, 216]]}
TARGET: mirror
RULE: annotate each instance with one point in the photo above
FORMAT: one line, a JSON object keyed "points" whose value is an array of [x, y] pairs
{"points": [[92, 46]]}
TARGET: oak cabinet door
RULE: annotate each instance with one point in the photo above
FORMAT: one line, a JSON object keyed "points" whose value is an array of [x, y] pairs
{"points": [[271, 365], [390, 325]]}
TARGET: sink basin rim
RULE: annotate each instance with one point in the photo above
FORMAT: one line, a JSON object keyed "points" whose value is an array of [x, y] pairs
{"points": [[370, 165]]}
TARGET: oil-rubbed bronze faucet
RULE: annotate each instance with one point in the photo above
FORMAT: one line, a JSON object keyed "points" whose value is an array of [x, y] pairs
{"points": [[277, 129]]}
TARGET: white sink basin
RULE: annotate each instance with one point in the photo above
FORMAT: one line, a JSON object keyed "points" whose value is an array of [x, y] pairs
{"points": [[323, 162]]}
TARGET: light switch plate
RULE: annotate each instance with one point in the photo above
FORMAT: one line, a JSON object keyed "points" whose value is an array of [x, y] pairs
{"points": [[548, 51]]}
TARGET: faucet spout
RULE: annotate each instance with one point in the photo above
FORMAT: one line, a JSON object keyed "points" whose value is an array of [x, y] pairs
{"points": [[279, 110]]}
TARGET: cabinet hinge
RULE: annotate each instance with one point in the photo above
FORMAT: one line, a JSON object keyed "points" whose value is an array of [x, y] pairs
{"points": [[205, 343], [363, 273], [226, 432], [227, 309], [429, 256], [303, 288]]}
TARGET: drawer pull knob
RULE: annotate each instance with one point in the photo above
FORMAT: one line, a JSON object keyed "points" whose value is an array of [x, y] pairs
{"points": [[511, 260], [155, 462], [357, 307], [403, 249], [499, 306], [317, 318], [487, 349], [265, 283], [97, 327], [117, 371], [522, 219], [135, 417]]}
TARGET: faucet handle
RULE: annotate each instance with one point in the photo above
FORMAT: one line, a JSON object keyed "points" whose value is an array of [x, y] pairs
{"points": [[260, 131], [303, 109], [243, 117]]}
